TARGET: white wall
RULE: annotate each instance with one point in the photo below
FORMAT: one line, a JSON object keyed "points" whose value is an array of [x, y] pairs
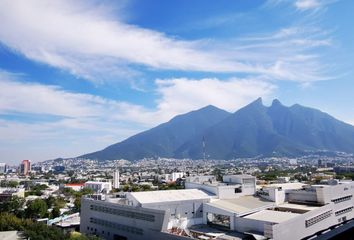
{"points": [[295, 228], [206, 187]]}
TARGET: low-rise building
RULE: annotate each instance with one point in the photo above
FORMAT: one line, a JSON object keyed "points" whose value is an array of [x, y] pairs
{"points": [[8, 193], [74, 186], [226, 209], [99, 187]]}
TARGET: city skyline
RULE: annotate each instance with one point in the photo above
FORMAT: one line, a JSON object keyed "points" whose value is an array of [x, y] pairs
{"points": [[78, 76]]}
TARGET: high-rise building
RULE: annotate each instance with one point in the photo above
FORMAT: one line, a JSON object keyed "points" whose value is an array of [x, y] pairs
{"points": [[116, 179], [2, 167], [25, 167]]}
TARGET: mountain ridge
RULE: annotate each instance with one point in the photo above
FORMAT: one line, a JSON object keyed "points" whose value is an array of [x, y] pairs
{"points": [[251, 131]]}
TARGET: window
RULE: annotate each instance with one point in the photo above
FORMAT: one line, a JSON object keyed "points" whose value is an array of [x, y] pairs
{"points": [[342, 199], [342, 211], [124, 213], [117, 226], [318, 218], [238, 190]]}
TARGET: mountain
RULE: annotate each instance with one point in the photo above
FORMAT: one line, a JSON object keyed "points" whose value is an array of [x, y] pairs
{"points": [[164, 139], [271, 131], [254, 130]]}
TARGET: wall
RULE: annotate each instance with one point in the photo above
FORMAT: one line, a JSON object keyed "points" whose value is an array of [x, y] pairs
{"points": [[246, 225], [304, 196], [211, 209], [206, 187], [326, 194], [274, 194], [188, 209], [228, 192], [130, 225], [296, 229]]}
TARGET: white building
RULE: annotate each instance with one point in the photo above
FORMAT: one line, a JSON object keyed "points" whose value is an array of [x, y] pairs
{"points": [[2, 167], [74, 186], [227, 209], [116, 179], [7, 193], [173, 176], [99, 187]]}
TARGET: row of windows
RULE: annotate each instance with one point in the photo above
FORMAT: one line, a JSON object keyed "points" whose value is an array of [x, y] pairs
{"points": [[94, 231], [117, 226], [124, 213], [263, 193], [318, 218], [345, 210], [342, 199]]}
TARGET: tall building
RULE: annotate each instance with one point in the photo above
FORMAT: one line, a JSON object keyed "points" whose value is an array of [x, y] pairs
{"points": [[2, 167], [25, 167], [116, 179]]}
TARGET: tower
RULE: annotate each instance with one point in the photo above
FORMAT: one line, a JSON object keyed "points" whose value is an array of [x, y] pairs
{"points": [[25, 167], [116, 179]]}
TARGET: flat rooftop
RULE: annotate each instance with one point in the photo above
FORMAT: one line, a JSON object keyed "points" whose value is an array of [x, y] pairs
{"points": [[272, 216], [242, 204], [240, 176], [170, 195], [284, 186]]}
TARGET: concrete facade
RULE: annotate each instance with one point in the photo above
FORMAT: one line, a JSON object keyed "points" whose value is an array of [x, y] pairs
{"points": [[287, 211]]}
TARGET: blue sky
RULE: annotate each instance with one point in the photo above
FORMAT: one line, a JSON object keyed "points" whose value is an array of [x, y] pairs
{"points": [[76, 76]]}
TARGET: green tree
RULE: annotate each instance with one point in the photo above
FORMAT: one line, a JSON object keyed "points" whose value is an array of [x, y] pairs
{"points": [[146, 187], [14, 205], [77, 204], [50, 201], [36, 209], [217, 174], [11, 184], [56, 212]]}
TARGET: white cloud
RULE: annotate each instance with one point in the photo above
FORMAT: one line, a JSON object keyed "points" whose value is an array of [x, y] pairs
{"points": [[312, 4], [91, 42], [183, 95], [307, 4], [74, 36], [302, 5]]}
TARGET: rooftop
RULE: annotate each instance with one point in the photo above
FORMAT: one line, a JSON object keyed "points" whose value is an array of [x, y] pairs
{"points": [[240, 176], [242, 204], [170, 195], [272, 216], [284, 186], [74, 184]]}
